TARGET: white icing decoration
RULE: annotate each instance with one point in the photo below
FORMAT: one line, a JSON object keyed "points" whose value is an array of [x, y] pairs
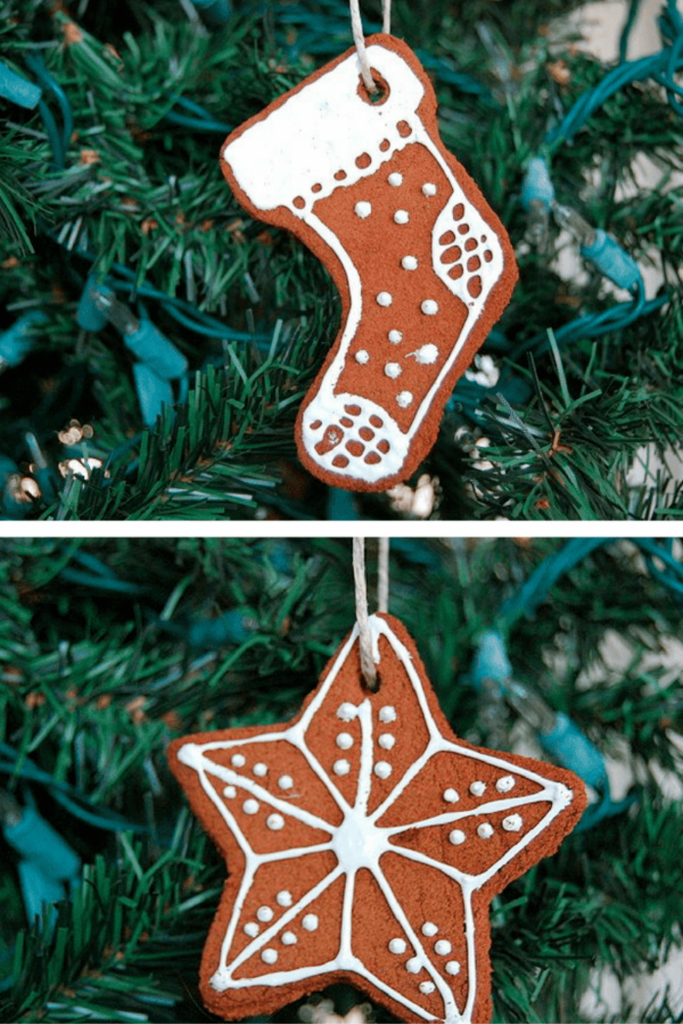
{"points": [[238, 760], [404, 399], [395, 337], [401, 217], [250, 807], [269, 956], [344, 741], [347, 711], [427, 987], [428, 189], [429, 929], [387, 714], [393, 370], [477, 788], [409, 263], [341, 767], [384, 299], [260, 769], [450, 796], [284, 898], [359, 842], [264, 914], [386, 741], [275, 822], [397, 946], [426, 355], [505, 784], [285, 782], [229, 792], [395, 179], [363, 210], [457, 836], [442, 947], [512, 823], [251, 929], [485, 831], [430, 307], [383, 769], [288, 938], [362, 356]]}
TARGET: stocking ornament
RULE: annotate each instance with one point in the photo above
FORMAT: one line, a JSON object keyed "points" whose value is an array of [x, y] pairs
{"points": [[423, 265], [364, 842]]}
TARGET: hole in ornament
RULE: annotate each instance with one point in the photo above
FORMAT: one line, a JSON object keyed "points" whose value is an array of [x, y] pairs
{"points": [[452, 254], [463, 229], [488, 255], [340, 175], [383, 446], [299, 202], [381, 94], [459, 211], [317, 187], [356, 448], [474, 287], [372, 458], [353, 410], [376, 421], [366, 433], [403, 129], [316, 425], [447, 238], [483, 238], [363, 161], [473, 263], [470, 244], [384, 145], [340, 461], [346, 422], [455, 272]]}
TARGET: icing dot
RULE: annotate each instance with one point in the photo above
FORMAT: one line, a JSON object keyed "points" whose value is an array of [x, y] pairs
{"points": [[452, 967], [362, 210], [250, 807], [362, 356], [450, 796], [346, 711], [404, 399], [395, 179], [456, 837], [284, 898], [251, 929], [260, 769], [393, 370], [269, 956], [275, 822], [229, 792], [395, 337], [386, 741], [477, 788], [264, 914], [397, 946], [387, 714], [383, 769], [442, 947], [238, 760], [429, 928], [413, 966], [429, 189], [485, 831], [427, 987], [401, 217], [285, 782], [344, 740], [409, 263], [426, 355], [429, 307], [512, 823], [505, 784], [341, 767], [310, 922], [288, 938], [384, 299]]}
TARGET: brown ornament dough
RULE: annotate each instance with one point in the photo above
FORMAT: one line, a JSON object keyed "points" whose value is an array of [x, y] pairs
{"points": [[364, 842], [423, 265]]}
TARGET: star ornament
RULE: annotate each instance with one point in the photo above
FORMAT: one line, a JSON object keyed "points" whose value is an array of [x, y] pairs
{"points": [[364, 842]]}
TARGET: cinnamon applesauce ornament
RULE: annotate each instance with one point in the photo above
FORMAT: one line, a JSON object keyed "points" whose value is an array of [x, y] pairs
{"points": [[364, 842], [351, 162]]}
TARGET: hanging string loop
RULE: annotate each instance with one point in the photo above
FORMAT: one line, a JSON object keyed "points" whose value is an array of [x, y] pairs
{"points": [[359, 40]]}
